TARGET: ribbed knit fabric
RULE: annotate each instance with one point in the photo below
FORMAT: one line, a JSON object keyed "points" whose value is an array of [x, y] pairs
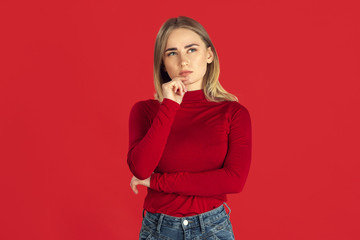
{"points": [[198, 150]]}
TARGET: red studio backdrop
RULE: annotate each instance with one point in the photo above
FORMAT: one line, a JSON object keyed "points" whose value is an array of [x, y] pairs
{"points": [[71, 70]]}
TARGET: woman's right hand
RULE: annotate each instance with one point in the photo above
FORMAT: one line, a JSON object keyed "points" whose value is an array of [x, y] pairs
{"points": [[175, 89]]}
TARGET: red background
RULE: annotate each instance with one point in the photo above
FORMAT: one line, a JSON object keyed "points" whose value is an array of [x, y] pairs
{"points": [[71, 71]]}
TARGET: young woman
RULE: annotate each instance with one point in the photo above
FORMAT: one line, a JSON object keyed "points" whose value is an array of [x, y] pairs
{"points": [[191, 145]]}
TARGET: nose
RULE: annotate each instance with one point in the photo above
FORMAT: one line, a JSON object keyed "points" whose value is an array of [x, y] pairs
{"points": [[184, 60]]}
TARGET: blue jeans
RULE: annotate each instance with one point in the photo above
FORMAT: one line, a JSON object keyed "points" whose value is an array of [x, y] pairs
{"points": [[211, 225]]}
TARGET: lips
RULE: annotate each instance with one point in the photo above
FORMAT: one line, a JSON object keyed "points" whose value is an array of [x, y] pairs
{"points": [[185, 73]]}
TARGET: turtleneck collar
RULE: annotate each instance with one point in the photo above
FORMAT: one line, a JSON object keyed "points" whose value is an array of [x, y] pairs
{"points": [[194, 96]]}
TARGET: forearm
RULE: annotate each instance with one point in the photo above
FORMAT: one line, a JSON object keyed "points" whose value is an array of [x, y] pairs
{"points": [[215, 182]]}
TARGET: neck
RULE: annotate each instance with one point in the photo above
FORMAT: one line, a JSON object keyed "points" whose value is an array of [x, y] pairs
{"points": [[194, 96]]}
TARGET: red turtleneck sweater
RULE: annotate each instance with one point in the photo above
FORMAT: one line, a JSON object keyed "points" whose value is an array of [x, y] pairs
{"points": [[198, 150]]}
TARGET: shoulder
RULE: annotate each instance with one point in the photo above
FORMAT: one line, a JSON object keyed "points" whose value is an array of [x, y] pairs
{"points": [[238, 118], [234, 107], [148, 103], [147, 107], [237, 114]]}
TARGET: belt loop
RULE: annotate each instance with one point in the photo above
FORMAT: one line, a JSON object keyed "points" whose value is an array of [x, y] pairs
{"points": [[160, 222], [228, 208], [202, 225]]}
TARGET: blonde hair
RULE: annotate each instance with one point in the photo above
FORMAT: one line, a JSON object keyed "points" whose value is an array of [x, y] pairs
{"points": [[213, 91]]}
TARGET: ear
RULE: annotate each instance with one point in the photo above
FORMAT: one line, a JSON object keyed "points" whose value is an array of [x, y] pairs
{"points": [[209, 55]]}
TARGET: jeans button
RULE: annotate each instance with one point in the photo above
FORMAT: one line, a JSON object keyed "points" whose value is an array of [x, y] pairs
{"points": [[185, 222]]}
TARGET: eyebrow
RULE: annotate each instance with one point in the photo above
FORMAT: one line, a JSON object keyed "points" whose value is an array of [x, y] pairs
{"points": [[187, 46]]}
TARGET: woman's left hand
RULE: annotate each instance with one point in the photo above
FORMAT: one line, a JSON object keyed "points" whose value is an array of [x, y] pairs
{"points": [[135, 181]]}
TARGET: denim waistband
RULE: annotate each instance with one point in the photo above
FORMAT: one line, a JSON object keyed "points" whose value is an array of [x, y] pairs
{"points": [[191, 221]]}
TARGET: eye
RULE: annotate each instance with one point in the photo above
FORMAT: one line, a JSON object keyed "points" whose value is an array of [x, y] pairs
{"points": [[193, 49], [170, 54]]}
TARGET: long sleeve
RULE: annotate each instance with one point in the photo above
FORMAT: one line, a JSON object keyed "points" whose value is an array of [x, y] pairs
{"points": [[230, 178], [147, 140]]}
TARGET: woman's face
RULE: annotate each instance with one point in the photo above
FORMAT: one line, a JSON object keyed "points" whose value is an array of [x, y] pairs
{"points": [[186, 51]]}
